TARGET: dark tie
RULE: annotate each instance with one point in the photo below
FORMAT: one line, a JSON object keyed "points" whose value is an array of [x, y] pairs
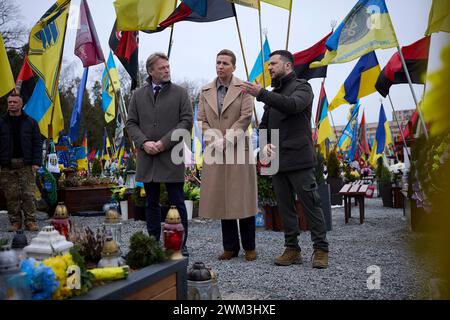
{"points": [[157, 90]]}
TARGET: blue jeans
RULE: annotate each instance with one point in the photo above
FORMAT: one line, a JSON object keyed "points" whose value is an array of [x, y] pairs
{"points": [[153, 210]]}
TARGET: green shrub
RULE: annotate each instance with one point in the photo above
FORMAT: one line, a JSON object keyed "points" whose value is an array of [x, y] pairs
{"points": [[333, 165], [137, 198], [266, 194], [385, 176], [144, 251], [97, 168], [319, 169], [191, 191]]}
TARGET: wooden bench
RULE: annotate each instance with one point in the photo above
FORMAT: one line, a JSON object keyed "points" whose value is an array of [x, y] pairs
{"points": [[358, 191]]}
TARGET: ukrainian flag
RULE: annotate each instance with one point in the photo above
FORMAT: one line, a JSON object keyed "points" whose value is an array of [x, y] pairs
{"points": [[108, 95], [197, 142], [106, 146], [383, 137], [325, 131], [7, 83], [349, 133], [257, 72], [366, 28], [120, 161], [360, 82], [44, 57], [81, 155], [39, 107]]}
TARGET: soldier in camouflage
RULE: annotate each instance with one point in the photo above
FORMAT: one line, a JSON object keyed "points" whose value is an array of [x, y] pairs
{"points": [[20, 157]]}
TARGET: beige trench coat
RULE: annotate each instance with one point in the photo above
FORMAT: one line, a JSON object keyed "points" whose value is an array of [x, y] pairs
{"points": [[228, 191]]}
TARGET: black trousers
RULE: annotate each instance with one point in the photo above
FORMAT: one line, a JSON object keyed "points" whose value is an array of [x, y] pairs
{"points": [[153, 211], [303, 183], [230, 234]]}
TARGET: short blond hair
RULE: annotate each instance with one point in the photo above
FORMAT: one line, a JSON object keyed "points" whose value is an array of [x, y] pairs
{"points": [[153, 58]]}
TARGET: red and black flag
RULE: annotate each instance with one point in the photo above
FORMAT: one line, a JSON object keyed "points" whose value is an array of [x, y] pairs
{"points": [[26, 81], [416, 58], [186, 11], [125, 45], [410, 127], [303, 59]]}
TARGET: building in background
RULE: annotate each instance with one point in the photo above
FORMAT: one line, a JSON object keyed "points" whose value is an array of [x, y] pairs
{"points": [[371, 128]]}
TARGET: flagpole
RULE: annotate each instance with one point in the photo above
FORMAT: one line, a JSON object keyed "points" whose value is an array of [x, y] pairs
{"points": [[335, 132], [332, 25], [422, 121], [398, 125], [243, 56], [240, 40], [329, 112], [122, 112], [289, 25], [107, 138], [261, 43], [171, 33]]}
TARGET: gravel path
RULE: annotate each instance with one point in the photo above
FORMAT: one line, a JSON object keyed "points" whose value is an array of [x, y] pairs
{"points": [[384, 240]]}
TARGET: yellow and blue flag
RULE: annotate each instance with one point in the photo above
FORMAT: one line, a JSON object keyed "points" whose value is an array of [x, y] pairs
{"points": [[108, 94], [257, 70], [75, 118], [197, 142], [44, 57], [7, 83], [39, 107], [383, 137], [325, 131], [367, 27], [120, 159], [350, 131], [360, 83], [106, 146], [81, 154]]}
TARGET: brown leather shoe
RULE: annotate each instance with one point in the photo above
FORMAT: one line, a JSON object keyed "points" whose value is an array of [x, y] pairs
{"points": [[320, 259], [289, 256], [250, 255], [31, 226], [15, 226], [228, 255]]}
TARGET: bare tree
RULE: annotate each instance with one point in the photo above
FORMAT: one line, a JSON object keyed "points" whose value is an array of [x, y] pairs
{"points": [[193, 88], [13, 32]]}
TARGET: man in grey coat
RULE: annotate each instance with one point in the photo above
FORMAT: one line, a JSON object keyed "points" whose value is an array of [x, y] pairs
{"points": [[156, 110]]}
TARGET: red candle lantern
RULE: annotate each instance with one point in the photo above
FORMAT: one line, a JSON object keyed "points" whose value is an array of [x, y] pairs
{"points": [[61, 221], [173, 233]]}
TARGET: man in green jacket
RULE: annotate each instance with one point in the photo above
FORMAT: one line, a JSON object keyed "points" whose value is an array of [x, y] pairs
{"points": [[288, 109]]}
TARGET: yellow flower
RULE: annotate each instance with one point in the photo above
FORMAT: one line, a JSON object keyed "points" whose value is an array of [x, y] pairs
{"points": [[59, 265]]}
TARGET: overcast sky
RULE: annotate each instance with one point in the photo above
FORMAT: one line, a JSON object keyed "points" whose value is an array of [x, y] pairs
{"points": [[195, 45]]}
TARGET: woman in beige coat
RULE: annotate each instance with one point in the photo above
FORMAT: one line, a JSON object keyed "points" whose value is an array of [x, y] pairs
{"points": [[228, 189]]}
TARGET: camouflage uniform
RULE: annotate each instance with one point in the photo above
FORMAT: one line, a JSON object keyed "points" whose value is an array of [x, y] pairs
{"points": [[18, 184]]}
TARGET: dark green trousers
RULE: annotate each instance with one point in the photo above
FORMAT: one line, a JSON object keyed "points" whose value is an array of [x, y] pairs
{"points": [[303, 183]]}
